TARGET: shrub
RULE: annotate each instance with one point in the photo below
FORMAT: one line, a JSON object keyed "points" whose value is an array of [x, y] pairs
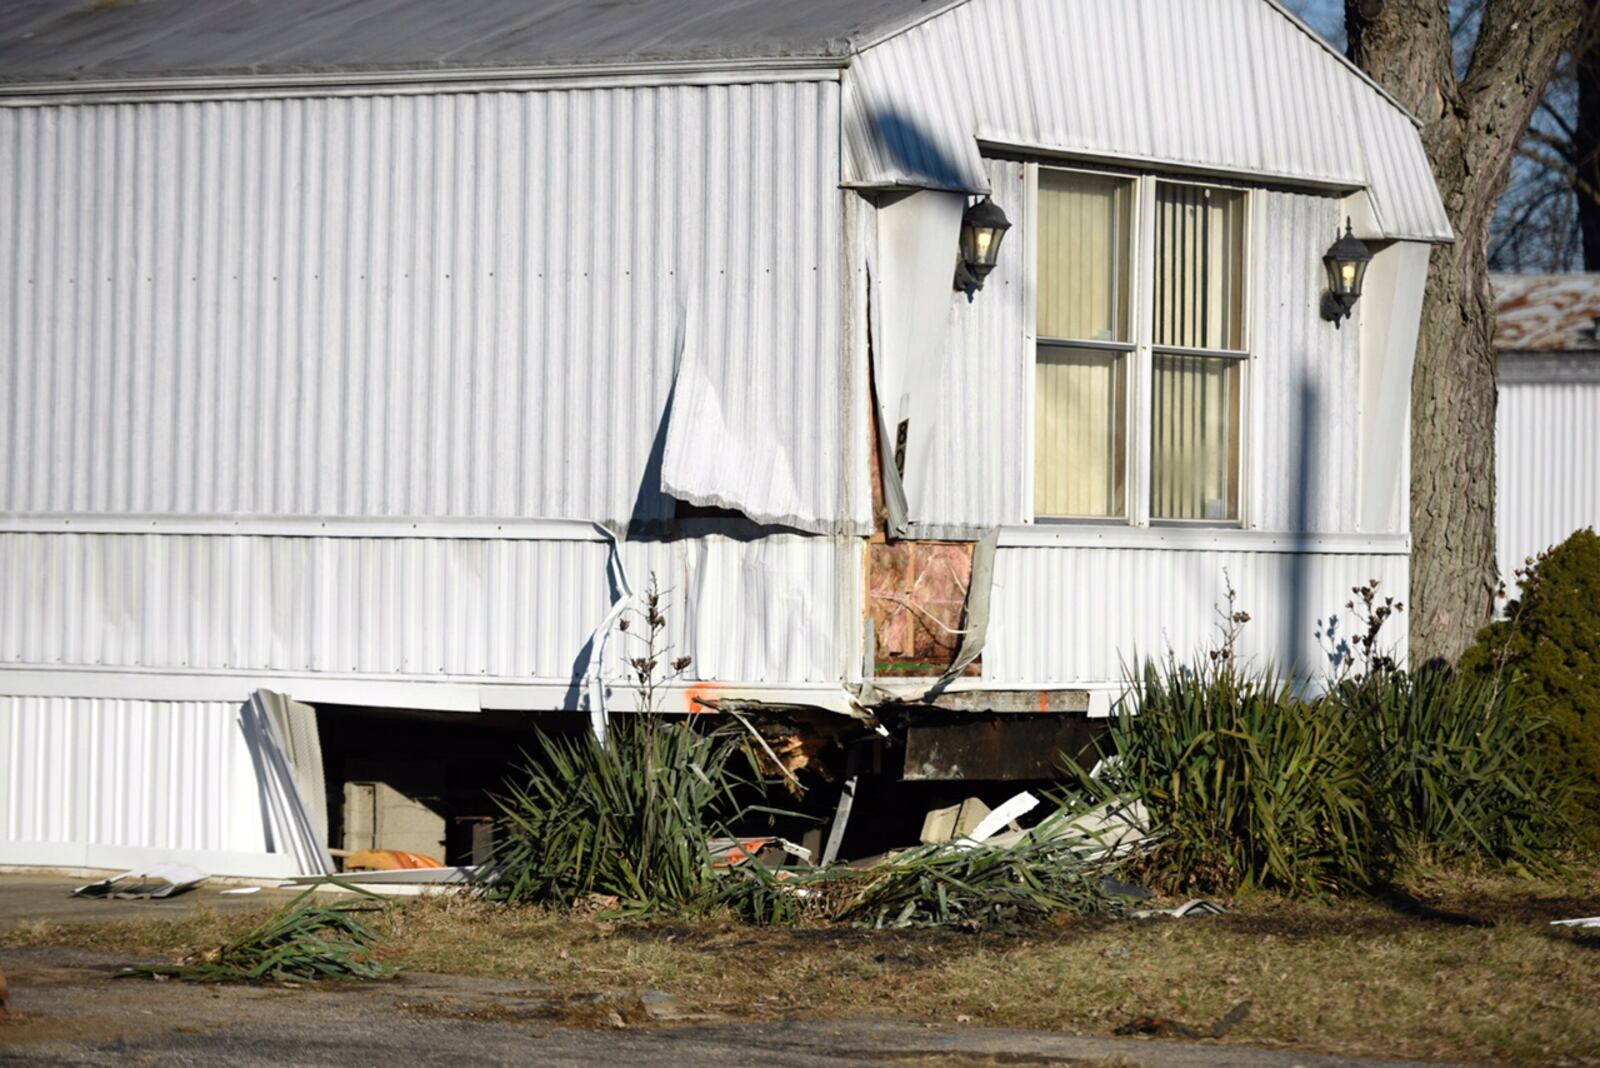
{"points": [[1246, 784], [1456, 767], [629, 817], [1549, 644], [1250, 781]]}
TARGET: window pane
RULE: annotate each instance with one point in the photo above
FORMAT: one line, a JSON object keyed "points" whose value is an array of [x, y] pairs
{"points": [[1079, 435], [1083, 256], [1195, 431], [1199, 267]]}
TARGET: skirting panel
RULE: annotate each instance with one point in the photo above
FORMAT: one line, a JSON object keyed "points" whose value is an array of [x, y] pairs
{"points": [[123, 784]]}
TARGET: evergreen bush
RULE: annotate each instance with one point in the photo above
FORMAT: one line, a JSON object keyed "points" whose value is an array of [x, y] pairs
{"points": [[1548, 646]]}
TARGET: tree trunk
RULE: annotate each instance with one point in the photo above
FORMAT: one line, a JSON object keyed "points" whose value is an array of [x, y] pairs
{"points": [[1471, 128]]}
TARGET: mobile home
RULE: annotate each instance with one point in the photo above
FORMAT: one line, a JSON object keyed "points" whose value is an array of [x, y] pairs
{"points": [[1547, 426], [375, 354]]}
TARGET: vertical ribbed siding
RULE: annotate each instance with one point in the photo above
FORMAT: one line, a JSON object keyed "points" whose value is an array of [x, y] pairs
{"points": [[1222, 83], [761, 611], [1305, 375], [1547, 467], [1080, 616], [418, 305], [975, 478], [134, 774]]}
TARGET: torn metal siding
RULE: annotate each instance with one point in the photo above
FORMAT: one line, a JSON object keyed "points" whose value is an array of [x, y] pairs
{"points": [[1080, 615], [758, 611], [1547, 460], [1229, 84], [98, 782], [412, 305]]}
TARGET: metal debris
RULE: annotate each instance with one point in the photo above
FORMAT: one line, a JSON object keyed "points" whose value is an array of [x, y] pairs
{"points": [[1197, 907], [162, 880]]}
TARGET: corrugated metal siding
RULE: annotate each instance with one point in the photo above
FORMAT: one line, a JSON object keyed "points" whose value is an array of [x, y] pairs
{"points": [[139, 774], [762, 611], [1305, 375], [1078, 616], [1404, 194], [1547, 460], [980, 441], [462, 304], [1218, 83]]}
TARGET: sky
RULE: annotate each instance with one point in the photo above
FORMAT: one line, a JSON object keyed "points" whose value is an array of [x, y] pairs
{"points": [[1326, 16]]}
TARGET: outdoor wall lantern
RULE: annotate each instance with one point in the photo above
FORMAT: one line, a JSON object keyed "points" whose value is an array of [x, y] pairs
{"points": [[983, 226], [1347, 263]]}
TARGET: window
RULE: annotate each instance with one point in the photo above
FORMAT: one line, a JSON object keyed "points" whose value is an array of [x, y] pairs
{"points": [[1172, 335], [1199, 342], [1081, 375]]}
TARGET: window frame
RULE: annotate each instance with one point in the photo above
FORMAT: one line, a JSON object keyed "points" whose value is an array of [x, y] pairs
{"points": [[1140, 351]]}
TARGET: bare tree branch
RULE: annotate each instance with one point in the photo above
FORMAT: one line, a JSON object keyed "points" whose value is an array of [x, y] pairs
{"points": [[1563, 168]]}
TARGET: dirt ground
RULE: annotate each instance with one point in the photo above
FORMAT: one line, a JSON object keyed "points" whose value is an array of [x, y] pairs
{"points": [[70, 1011], [1468, 971]]}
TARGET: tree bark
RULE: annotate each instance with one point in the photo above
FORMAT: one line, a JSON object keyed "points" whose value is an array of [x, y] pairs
{"points": [[1471, 127]]}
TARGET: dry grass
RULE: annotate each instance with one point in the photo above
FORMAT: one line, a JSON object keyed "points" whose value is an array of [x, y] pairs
{"points": [[1467, 967]]}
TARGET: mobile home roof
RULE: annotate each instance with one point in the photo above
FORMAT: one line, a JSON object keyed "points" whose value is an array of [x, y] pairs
{"points": [[53, 40]]}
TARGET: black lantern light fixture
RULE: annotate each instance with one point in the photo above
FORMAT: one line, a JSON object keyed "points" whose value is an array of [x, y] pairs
{"points": [[983, 227], [1347, 263]]}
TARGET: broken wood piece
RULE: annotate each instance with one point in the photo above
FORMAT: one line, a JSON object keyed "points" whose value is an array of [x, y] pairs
{"points": [[954, 821]]}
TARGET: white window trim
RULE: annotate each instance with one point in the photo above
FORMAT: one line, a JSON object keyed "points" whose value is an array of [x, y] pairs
{"points": [[1141, 358]]}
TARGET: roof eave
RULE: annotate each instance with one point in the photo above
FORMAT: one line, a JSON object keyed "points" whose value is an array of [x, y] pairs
{"points": [[435, 77]]}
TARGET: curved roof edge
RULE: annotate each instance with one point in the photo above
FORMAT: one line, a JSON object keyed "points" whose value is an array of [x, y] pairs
{"points": [[1240, 86]]}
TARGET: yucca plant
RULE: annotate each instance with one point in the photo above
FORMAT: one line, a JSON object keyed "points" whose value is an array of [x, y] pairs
{"points": [[1457, 766], [1246, 783], [936, 886], [301, 941], [629, 817], [930, 886]]}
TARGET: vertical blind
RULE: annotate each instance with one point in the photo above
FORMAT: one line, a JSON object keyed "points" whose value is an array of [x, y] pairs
{"points": [[1199, 285], [1194, 461], [1083, 256], [1199, 304], [1079, 432]]}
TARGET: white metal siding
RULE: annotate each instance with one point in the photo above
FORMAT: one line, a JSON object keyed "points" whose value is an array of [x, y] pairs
{"points": [[1547, 461], [1214, 83], [410, 305], [1080, 616], [86, 777], [980, 431], [761, 611], [1305, 375]]}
